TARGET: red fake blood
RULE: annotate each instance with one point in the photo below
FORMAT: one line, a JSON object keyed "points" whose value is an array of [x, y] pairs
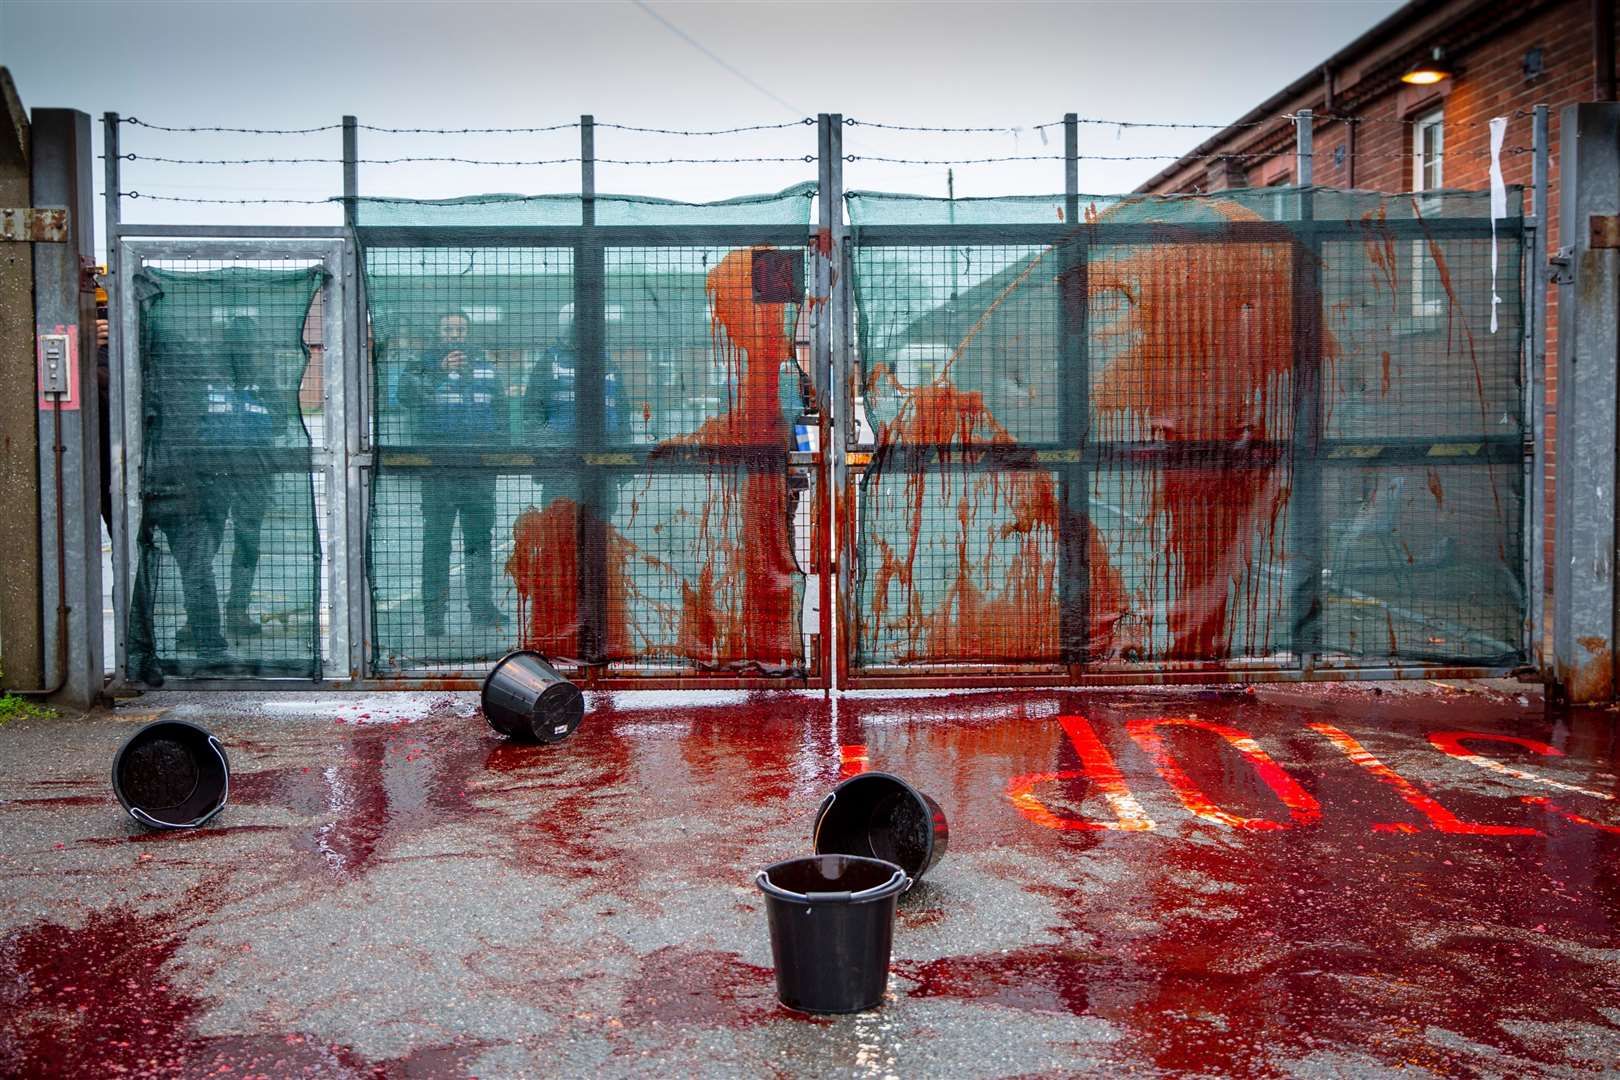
{"points": [[1303, 809], [1001, 605], [677, 985], [544, 567], [75, 998], [739, 607], [1435, 489], [1041, 978], [1380, 247], [1205, 366]]}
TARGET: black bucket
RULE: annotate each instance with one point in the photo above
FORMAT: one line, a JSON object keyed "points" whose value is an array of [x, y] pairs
{"points": [[832, 922], [172, 775], [525, 698], [877, 815]]}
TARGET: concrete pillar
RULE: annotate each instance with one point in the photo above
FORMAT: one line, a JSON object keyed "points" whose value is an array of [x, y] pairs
{"points": [[1584, 533], [65, 306], [21, 663]]}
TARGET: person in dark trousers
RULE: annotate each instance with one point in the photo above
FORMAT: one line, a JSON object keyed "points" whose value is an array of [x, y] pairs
{"points": [[179, 502], [245, 415], [457, 398]]}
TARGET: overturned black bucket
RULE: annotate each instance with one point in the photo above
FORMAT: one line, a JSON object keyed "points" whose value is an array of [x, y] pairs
{"points": [[832, 926], [877, 815], [525, 698], [172, 775]]}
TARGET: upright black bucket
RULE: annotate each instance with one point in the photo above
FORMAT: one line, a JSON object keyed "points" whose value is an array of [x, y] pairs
{"points": [[525, 698], [832, 923], [879, 816], [172, 775]]}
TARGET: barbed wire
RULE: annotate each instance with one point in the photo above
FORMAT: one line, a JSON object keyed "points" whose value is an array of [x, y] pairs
{"points": [[1001, 129], [230, 202], [487, 200], [1509, 152], [808, 120], [1097, 121], [469, 131], [137, 122], [803, 158], [850, 121]]}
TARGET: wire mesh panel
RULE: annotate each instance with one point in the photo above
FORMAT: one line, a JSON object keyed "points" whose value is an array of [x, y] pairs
{"points": [[584, 434], [228, 535], [1276, 428]]}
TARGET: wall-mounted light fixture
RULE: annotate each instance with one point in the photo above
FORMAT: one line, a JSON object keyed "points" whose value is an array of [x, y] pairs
{"points": [[1534, 65], [1430, 70]]}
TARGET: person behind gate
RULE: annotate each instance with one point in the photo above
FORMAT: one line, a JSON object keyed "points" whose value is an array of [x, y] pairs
{"points": [[208, 465], [459, 403]]}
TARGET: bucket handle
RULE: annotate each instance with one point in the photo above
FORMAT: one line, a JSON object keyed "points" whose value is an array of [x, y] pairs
{"points": [[821, 815], [762, 879], [151, 822]]}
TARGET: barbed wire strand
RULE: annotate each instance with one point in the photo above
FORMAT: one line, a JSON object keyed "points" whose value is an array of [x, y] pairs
{"points": [[1511, 152], [137, 122], [808, 120], [803, 158], [1002, 129]]}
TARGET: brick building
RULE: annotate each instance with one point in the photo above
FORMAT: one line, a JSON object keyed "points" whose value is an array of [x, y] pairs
{"points": [[1374, 130]]}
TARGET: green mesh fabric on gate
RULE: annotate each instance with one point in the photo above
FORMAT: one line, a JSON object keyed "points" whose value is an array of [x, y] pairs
{"points": [[1248, 428], [228, 575], [583, 434]]}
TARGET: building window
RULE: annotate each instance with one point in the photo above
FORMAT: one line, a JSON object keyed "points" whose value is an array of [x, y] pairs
{"points": [[1428, 151], [1428, 175]]}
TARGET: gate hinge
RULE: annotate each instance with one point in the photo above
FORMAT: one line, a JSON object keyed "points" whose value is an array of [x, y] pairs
{"points": [[1559, 270], [31, 224]]}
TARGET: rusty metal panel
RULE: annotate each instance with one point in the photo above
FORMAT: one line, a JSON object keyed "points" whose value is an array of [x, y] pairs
{"points": [[1605, 231], [46, 226]]}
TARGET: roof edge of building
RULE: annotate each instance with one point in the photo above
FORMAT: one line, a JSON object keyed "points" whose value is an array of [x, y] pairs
{"points": [[1364, 43]]}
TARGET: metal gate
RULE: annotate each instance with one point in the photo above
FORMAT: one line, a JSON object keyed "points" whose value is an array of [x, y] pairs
{"points": [[1244, 436], [235, 554], [1247, 436]]}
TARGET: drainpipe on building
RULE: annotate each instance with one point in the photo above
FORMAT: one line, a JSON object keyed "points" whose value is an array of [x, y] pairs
{"points": [[1603, 50]]}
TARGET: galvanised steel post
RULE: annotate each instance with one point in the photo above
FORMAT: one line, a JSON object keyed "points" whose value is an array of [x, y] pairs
{"points": [[1588, 347]]}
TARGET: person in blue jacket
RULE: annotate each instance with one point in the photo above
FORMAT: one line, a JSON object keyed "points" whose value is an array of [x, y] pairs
{"points": [[549, 399], [457, 397]]}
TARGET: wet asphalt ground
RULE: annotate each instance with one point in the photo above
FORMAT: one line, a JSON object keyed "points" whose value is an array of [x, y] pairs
{"points": [[1339, 881]]}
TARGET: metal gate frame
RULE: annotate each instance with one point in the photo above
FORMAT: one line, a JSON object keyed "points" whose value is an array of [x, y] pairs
{"points": [[1305, 236], [341, 589], [836, 465]]}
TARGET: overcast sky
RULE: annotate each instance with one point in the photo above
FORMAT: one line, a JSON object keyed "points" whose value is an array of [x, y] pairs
{"points": [[660, 64]]}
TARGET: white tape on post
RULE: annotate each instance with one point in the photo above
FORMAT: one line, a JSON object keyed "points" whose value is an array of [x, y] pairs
{"points": [[1498, 202]]}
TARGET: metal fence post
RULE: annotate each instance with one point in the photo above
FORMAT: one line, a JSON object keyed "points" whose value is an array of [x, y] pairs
{"points": [[69, 431], [824, 558], [841, 400], [1074, 417], [1305, 501], [339, 359], [1304, 154], [355, 473], [1535, 317], [119, 524], [351, 169], [590, 370], [1584, 533]]}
